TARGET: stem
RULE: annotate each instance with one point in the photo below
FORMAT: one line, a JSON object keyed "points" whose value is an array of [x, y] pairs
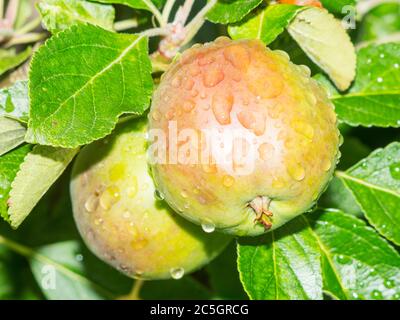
{"points": [[194, 26], [26, 38], [154, 32], [125, 24], [31, 25], [137, 286], [167, 10], [183, 12], [11, 13], [1, 9], [155, 12], [135, 292], [16, 247]]}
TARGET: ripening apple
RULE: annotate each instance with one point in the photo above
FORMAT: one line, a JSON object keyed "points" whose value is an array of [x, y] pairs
{"points": [[122, 218], [241, 139]]}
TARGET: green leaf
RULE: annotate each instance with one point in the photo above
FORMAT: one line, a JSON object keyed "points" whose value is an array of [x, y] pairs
{"points": [[12, 134], [68, 271], [357, 263], [9, 166], [224, 276], [266, 24], [380, 22], [14, 101], [283, 264], [375, 184], [58, 15], [320, 35], [9, 59], [136, 4], [337, 6], [339, 197], [229, 11], [183, 289], [40, 169], [82, 80], [374, 99]]}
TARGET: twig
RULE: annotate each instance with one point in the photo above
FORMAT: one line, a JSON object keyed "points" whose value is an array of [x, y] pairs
{"points": [[155, 12], [25, 38], [31, 25], [167, 9], [183, 12], [1, 9], [194, 26], [155, 32], [135, 292], [125, 24], [11, 12]]}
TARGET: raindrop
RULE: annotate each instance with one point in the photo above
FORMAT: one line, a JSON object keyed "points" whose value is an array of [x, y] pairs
{"points": [[212, 77], [184, 194], [91, 203], [176, 82], [177, 273], [343, 259], [389, 284], [188, 105], [228, 181], [303, 128], [364, 165], [341, 140], [355, 295], [158, 195], [395, 170], [326, 165], [109, 197], [208, 227], [222, 106], [376, 294], [79, 257], [297, 172]]}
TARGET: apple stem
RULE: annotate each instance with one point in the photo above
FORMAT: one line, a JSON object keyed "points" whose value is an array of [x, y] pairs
{"points": [[260, 205]]}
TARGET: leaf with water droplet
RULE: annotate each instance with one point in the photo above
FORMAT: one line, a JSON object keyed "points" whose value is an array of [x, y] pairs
{"points": [[58, 15], [362, 267], [283, 264], [375, 185], [374, 98], [76, 101]]}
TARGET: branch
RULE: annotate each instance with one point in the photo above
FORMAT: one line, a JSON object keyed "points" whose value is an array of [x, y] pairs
{"points": [[167, 10], [194, 26]]}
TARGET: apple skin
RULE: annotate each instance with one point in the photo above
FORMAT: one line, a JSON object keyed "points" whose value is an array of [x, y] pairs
{"points": [[242, 85], [121, 220]]}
